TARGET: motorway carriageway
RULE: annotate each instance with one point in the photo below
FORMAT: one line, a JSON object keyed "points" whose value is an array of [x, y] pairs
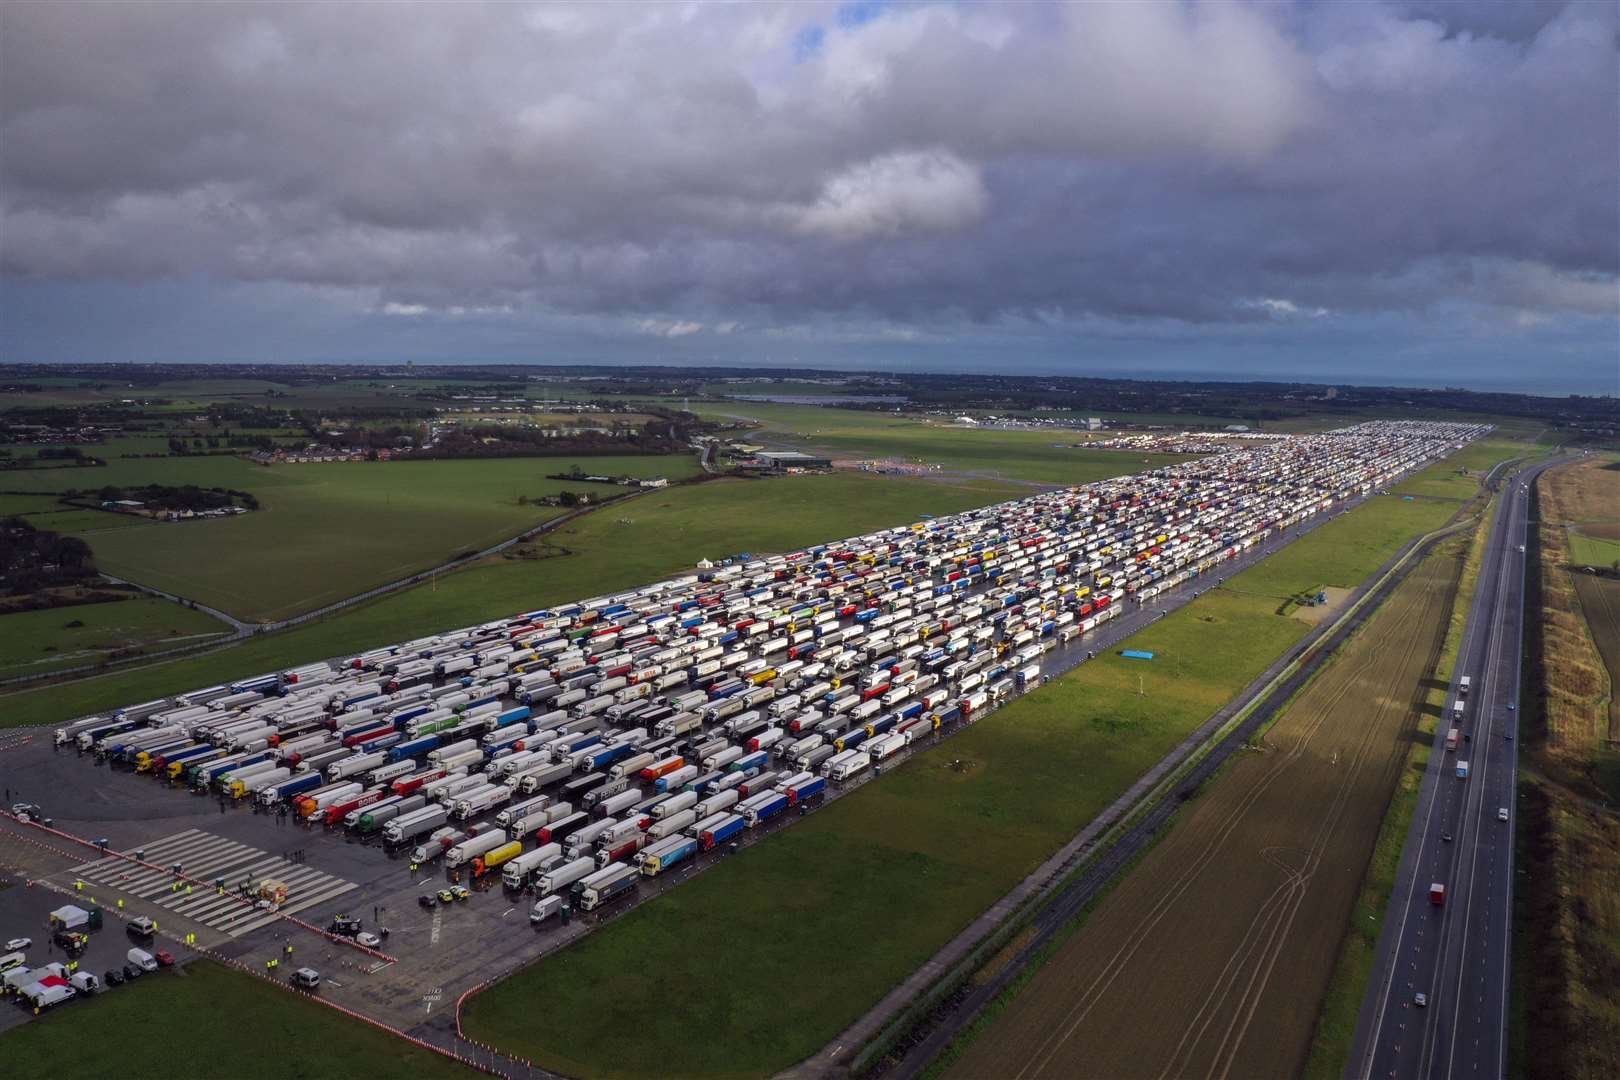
{"points": [[1457, 954]]}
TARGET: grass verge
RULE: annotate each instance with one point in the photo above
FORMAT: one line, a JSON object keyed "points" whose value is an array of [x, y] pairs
{"points": [[212, 1021]]}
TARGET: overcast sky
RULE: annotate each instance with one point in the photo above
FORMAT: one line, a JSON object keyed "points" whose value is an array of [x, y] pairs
{"points": [[1417, 193]]}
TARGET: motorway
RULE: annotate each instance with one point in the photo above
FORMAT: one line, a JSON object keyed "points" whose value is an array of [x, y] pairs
{"points": [[1456, 954]]}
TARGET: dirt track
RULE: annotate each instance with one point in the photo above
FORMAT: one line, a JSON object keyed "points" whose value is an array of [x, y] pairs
{"points": [[1211, 957]]}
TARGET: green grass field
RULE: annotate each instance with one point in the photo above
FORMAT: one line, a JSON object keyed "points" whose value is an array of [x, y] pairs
{"points": [[1593, 550], [1449, 482], [324, 532], [36, 642], [668, 532], [212, 1021], [840, 907], [1015, 455]]}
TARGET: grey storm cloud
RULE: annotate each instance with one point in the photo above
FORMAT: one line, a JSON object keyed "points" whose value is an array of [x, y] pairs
{"points": [[685, 166]]}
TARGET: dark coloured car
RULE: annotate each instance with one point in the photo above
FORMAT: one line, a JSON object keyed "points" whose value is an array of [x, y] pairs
{"points": [[428, 901], [115, 977], [345, 926], [131, 972]]}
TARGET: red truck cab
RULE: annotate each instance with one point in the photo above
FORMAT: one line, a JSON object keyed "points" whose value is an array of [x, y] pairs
{"points": [[1437, 894]]}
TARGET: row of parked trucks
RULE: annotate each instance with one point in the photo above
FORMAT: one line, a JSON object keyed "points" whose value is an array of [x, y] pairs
{"points": [[578, 748]]}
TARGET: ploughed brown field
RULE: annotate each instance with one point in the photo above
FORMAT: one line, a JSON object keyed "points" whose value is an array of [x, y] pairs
{"points": [[1211, 957]]}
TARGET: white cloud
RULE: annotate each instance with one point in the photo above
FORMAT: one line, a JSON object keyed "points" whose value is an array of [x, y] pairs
{"points": [[392, 308], [1279, 308], [929, 191], [669, 328]]}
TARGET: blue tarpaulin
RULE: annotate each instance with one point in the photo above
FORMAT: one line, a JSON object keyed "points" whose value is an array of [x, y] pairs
{"points": [[1136, 654]]}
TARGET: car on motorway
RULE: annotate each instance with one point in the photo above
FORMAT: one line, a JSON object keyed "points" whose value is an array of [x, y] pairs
{"points": [[1420, 999], [1446, 837], [18, 944], [1501, 813], [1512, 707]]}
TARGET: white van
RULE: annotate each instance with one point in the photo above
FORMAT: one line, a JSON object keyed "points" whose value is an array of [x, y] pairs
{"points": [[143, 959]]}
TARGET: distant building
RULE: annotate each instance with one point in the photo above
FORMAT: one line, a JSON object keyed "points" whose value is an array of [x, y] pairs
{"points": [[1237, 427], [1093, 423], [791, 459]]}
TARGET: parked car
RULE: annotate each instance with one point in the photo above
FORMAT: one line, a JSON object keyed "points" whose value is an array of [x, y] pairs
{"points": [[132, 972], [428, 900], [164, 958], [308, 978], [141, 926], [18, 944], [369, 940], [446, 896], [114, 977], [459, 892]]}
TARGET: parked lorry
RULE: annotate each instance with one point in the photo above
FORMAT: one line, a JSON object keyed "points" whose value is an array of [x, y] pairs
{"points": [[598, 888], [408, 826], [661, 856], [473, 847], [516, 873], [496, 857], [481, 800], [374, 818], [561, 877], [728, 827]]}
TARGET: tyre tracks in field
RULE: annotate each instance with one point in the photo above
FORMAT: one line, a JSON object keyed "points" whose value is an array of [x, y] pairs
{"points": [[1269, 929], [1262, 942]]}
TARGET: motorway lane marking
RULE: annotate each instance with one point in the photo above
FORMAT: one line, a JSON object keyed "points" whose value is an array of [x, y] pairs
{"points": [[1437, 765], [1476, 796]]}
